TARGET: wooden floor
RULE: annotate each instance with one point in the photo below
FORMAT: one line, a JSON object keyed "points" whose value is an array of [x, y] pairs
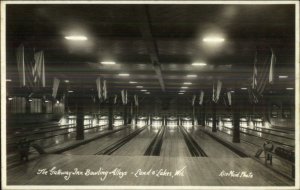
{"points": [[200, 171], [127, 165]]}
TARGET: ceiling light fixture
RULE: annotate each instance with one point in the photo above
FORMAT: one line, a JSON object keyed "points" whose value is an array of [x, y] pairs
{"points": [[187, 83], [139, 86], [70, 91], [67, 81], [184, 87], [108, 63], [76, 38], [8, 80], [180, 93], [213, 40], [123, 74], [10, 98], [199, 64], [191, 76], [144, 90], [243, 88], [290, 88], [147, 92], [132, 82], [282, 76]]}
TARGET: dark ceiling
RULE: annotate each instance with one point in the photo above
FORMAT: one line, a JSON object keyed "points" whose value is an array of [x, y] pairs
{"points": [[155, 44]]}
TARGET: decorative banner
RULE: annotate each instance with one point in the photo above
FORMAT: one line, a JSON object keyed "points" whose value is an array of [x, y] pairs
{"points": [[126, 99], [31, 67], [193, 100], [104, 90], [216, 92], [38, 71], [201, 97], [123, 97], [99, 90], [229, 98], [55, 87], [21, 65], [263, 71], [219, 87], [271, 72], [115, 99], [136, 100]]}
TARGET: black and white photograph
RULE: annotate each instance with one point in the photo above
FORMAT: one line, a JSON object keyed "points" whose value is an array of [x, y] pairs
{"points": [[149, 94]]}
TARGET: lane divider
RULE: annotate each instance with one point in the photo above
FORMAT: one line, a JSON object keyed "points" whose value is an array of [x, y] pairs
{"points": [[155, 145], [193, 146], [115, 146]]}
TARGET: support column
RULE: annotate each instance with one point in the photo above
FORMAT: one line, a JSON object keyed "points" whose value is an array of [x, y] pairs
{"points": [[203, 115], [136, 114], [44, 108], [27, 106], [79, 119], [110, 114], [214, 117], [125, 115], [236, 117]]}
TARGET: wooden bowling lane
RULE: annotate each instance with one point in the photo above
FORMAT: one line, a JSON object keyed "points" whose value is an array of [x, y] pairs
{"points": [[280, 132], [99, 144], [211, 147], [260, 138], [132, 170], [173, 143], [138, 145]]}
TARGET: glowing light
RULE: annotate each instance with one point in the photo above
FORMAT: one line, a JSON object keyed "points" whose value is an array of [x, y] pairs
{"points": [[10, 98], [67, 81], [8, 80], [70, 91], [199, 64], [139, 86], [184, 87], [187, 83], [30, 100], [103, 122], [282, 76], [290, 88], [156, 123], [123, 74], [132, 82], [108, 63], [243, 88], [144, 90], [213, 40], [76, 38], [147, 92], [141, 123], [46, 101], [118, 122], [63, 121], [191, 76], [180, 93]]}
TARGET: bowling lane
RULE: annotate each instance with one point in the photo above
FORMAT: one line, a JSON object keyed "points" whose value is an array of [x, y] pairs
{"points": [[173, 143], [210, 146], [101, 143], [139, 144], [282, 132], [259, 138]]}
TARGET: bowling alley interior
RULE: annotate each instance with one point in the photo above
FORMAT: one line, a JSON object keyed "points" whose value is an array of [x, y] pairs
{"points": [[139, 95]]}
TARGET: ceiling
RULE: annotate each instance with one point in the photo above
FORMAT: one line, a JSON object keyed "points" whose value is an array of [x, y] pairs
{"points": [[155, 44]]}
